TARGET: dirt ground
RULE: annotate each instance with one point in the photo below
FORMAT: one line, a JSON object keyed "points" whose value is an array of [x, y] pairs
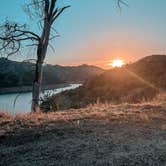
{"points": [[105, 135]]}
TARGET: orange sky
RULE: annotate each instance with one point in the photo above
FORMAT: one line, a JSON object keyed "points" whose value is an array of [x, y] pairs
{"points": [[101, 53]]}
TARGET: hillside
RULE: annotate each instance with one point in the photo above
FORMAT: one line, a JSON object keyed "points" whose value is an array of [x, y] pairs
{"points": [[14, 73], [137, 82], [103, 134]]}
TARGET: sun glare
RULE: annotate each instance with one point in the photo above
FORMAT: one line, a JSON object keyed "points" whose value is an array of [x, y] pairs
{"points": [[117, 63]]}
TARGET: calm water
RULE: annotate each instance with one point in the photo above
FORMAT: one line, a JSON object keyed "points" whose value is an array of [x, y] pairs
{"points": [[23, 102]]}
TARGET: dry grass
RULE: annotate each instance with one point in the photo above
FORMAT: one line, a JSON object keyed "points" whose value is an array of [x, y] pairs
{"points": [[145, 112], [101, 134]]}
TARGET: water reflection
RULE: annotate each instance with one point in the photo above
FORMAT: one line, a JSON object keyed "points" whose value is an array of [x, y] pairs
{"points": [[23, 103]]}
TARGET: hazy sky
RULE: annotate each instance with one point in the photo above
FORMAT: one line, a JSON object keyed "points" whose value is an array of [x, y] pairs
{"points": [[95, 31]]}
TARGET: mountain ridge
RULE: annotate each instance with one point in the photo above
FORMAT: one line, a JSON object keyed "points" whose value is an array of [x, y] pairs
{"points": [[13, 73], [136, 82]]}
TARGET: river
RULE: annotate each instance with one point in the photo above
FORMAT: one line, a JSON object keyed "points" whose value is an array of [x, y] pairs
{"points": [[14, 103]]}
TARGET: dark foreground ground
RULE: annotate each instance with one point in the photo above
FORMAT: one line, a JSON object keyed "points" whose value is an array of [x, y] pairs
{"points": [[105, 135]]}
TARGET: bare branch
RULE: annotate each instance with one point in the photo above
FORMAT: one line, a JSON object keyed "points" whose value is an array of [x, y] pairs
{"points": [[15, 49], [12, 36], [35, 8], [52, 6], [46, 8], [53, 37], [57, 12], [121, 2], [36, 37]]}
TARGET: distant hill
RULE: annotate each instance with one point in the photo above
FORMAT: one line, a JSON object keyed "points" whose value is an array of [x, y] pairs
{"points": [[136, 82], [14, 73], [153, 69]]}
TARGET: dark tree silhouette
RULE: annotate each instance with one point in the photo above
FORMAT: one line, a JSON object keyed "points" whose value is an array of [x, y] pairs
{"points": [[14, 35]]}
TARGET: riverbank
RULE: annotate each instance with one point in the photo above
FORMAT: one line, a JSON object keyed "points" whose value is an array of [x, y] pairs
{"points": [[103, 134], [24, 89], [15, 103]]}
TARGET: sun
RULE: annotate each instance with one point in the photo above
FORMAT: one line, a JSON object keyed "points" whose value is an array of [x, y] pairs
{"points": [[117, 63]]}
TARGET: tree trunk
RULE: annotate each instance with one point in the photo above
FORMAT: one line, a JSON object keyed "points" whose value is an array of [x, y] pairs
{"points": [[41, 53], [37, 86]]}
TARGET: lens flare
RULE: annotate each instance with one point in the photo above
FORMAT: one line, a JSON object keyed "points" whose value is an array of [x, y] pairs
{"points": [[117, 63]]}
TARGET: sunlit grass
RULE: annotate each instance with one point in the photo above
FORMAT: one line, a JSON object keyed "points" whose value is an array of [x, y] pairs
{"points": [[142, 112]]}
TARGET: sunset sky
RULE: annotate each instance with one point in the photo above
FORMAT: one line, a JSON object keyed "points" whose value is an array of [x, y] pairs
{"points": [[95, 31]]}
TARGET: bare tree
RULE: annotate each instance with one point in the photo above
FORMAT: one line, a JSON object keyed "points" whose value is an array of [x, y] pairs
{"points": [[13, 35]]}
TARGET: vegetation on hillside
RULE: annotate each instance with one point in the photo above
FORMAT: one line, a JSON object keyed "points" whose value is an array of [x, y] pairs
{"points": [[14, 73], [137, 82]]}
